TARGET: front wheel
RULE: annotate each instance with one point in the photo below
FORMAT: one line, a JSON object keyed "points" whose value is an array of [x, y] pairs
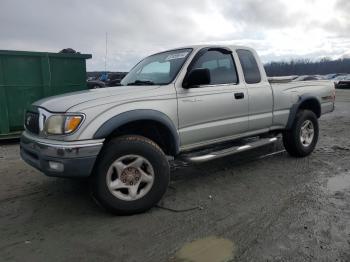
{"points": [[301, 139], [131, 176]]}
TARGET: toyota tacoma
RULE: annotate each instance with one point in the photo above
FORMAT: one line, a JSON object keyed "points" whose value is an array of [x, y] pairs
{"points": [[195, 104]]}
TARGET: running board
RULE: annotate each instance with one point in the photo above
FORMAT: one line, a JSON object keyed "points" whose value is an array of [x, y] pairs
{"points": [[229, 151]]}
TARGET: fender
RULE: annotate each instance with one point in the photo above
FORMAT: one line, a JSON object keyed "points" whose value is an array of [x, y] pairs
{"points": [[113, 123], [295, 108]]}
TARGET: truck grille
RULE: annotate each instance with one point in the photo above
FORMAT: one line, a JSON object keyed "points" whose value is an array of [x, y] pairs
{"points": [[32, 122]]}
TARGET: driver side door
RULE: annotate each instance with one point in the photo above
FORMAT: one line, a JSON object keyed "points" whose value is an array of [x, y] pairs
{"points": [[217, 111]]}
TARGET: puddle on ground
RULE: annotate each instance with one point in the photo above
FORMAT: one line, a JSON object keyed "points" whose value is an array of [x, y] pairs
{"points": [[339, 182], [209, 249]]}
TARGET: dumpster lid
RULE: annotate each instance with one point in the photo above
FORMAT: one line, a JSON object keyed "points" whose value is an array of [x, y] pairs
{"points": [[50, 54]]}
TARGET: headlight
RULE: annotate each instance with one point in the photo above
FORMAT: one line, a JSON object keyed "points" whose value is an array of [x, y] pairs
{"points": [[62, 124]]}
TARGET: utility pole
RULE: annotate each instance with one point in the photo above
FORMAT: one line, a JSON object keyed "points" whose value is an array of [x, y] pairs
{"points": [[106, 52]]}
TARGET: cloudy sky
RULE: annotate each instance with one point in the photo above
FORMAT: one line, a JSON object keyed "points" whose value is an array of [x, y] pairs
{"points": [[279, 29]]}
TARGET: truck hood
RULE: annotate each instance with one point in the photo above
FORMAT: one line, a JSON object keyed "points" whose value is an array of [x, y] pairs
{"points": [[62, 103]]}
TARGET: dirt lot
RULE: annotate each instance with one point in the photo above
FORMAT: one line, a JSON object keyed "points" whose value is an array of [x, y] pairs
{"points": [[252, 207]]}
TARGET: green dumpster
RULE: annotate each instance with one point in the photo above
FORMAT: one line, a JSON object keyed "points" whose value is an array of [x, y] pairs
{"points": [[29, 76]]}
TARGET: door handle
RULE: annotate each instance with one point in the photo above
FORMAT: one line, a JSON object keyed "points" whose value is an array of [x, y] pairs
{"points": [[239, 95]]}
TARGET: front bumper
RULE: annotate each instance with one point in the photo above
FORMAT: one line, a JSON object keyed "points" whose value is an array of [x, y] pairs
{"points": [[60, 158]]}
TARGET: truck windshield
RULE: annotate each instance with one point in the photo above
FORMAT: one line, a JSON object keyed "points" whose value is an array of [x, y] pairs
{"points": [[158, 69]]}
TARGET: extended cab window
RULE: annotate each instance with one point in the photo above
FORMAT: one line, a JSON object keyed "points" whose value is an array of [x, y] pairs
{"points": [[250, 67], [221, 66]]}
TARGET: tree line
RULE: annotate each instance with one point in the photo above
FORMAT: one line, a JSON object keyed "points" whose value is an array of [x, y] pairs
{"points": [[308, 67]]}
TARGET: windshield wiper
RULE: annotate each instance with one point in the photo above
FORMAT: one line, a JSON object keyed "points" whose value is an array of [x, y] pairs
{"points": [[141, 82]]}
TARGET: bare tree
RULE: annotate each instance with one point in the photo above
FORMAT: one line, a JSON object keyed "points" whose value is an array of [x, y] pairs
{"points": [[308, 67]]}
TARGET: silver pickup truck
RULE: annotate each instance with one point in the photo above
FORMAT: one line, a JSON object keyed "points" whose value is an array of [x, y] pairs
{"points": [[195, 103]]}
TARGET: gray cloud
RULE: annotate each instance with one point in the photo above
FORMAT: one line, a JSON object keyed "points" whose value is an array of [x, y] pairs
{"points": [[259, 13], [340, 24], [138, 28]]}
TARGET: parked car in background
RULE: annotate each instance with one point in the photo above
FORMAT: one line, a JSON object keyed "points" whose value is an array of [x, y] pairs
{"points": [[109, 79], [115, 78], [339, 78], [195, 104], [343, 82], [95, 83], [332, 76]]}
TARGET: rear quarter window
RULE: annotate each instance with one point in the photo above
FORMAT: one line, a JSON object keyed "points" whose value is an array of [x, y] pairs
{"points": [[250, 66]]}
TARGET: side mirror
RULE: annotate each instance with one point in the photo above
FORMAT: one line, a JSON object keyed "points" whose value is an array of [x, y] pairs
{"points": [[197, 77]]}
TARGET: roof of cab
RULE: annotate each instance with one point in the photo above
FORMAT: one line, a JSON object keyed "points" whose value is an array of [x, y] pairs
{"points": [[196, 47]]}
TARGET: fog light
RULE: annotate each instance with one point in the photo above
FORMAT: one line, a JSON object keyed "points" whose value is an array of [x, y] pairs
{"points": [[56, 166]]}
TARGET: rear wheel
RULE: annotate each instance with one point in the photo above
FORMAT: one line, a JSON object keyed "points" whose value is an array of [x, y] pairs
{"points": [[301, 139], [131, 176]]}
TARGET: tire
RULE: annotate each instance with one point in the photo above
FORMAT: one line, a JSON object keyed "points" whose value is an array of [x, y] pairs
{"points": [[293, 141], [138, 179]]}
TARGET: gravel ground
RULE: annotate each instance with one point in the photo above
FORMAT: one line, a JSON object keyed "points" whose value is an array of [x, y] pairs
{"points": [[254, 207]]}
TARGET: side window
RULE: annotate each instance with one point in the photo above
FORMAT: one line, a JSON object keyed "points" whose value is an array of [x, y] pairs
{"points": [[221, 66], [250, 67]]}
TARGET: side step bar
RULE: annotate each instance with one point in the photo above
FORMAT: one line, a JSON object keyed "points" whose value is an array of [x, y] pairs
{"points": [[230, 151]]}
